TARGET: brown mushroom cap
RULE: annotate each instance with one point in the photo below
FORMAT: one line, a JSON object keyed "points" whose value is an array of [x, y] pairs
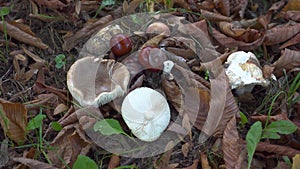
{"points": [[94, 82]]}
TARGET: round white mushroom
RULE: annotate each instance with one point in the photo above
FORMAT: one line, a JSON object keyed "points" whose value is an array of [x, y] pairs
{"points": [[146, 112]]}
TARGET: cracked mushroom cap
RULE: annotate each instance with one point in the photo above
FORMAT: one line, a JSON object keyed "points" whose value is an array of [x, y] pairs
{"points": [[94, 82], [146, 112]]}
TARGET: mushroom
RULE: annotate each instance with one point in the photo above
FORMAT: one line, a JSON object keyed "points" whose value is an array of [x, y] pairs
{"points": [[146, 112], [244, 71], [158, 28], [94, 82]]}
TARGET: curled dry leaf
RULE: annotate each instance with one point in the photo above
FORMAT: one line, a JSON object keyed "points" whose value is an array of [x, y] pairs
{"points": [[17, 32], [292, 41], [204, 161], [52, 4], [289, 60], [114, 162], [130, 8], [60, 108], [68, 144], [292, 15], [85, 32], [174, 94], [214, 17], [224, 7], [292, 5], [14, 120], [238, 6], [281, 33], [277, 149], [34, 163], [222, 103], [229, 42], [231, 29], [231, 148]]}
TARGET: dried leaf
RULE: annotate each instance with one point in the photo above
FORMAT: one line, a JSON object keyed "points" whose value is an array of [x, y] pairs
{"points": [[130, 8], [222, 103], [153, 41], [292, 5], [296, 162], [277, 149], [214, 17], [52, 4], [238, 6], [292, 15], [85, 32], [224, 6], [231, 148], [204, 161], [60, 108], [165, 158], [114, 162], [194, 165], [289, 60], [281, 33], [14, 120], [174, 94], [185, 148], [22, 36], [34, 163], [229, 42], [231, 29], [292, 41]]}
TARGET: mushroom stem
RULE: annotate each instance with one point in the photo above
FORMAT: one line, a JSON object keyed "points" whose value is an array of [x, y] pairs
{"points": [[168, 65]]}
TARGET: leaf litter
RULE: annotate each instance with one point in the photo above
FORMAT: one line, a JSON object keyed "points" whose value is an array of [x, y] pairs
{"points": [[270, 30]]}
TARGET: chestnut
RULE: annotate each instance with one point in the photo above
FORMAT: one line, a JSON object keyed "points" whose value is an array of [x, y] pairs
{"points": [[120, 44], [158, 28], [152, 58]]}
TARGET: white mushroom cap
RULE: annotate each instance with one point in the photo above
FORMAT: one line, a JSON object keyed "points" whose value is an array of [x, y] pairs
{"points": [[94, 82], [146, 112], [244, 69]]}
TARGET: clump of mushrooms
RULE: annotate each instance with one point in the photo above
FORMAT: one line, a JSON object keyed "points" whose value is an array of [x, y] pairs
{"points": [[244, 71], [95, 82], [146, 112]]}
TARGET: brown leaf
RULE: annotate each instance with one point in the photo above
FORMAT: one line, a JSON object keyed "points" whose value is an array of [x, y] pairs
{"points": [[14, 120], [18, 34], [289, 60], [194, 165], [34, 163], [292, 41], [229, 42], [224, 6], [222, 103], [281, 33], [165, 158], [114, 162], [296, 162], [51, 4], [238, 6], [231, 148], [185, 148], [174, 94], [60, 108], [231, 29], [67, 145], [153, 41], [130, 8], [292, 5], [204, 161], [214, 17], [277, 149], [85, 32], [292, 15]]}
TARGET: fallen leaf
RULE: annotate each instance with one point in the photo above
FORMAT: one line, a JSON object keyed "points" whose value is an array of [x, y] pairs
{"points": [[18, 34], [289, 60], [33, 163], [231, 29], [85, 32], [292, 15], [231, 148], [214, 17], [114, 162], [292, 5], [231, 43], [238, 6], [281, 33], [173, 94], [224, 6], [165, 158], [204, 161], [277, 149], [194, 165], [292, 41], [51, 4], [185, 148], [296, 162], [60, 108], [14, 120], [130, 8]]}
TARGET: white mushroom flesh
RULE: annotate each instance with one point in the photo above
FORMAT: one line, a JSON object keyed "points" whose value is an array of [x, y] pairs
{"points": [[244, 69], [146, 112]]}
